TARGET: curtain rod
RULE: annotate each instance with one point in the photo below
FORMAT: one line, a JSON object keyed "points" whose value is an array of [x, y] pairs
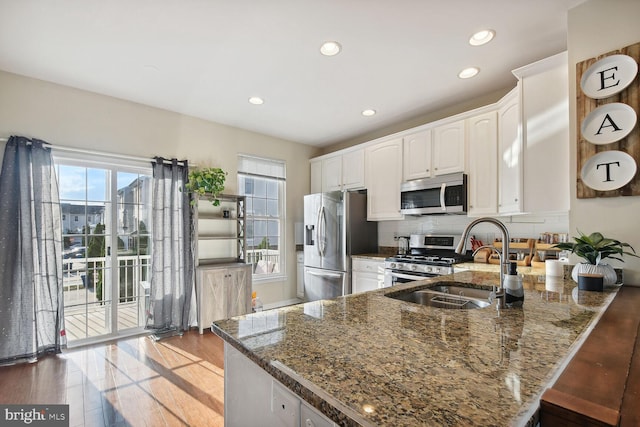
{"points": [[99, 153]]}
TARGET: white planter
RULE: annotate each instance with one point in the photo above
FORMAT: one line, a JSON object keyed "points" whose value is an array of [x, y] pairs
{"points": [[608, 273]]}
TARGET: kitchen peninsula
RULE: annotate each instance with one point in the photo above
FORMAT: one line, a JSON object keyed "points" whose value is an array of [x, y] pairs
{"points": [[368, 359]]}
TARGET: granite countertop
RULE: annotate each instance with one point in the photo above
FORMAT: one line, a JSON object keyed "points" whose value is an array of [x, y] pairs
{"points": [[367, 359]]}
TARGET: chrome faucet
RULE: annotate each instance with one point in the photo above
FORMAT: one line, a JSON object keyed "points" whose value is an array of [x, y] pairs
{"points": [[504, 260]]}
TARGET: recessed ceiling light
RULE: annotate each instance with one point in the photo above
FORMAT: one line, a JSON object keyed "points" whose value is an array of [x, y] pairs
{"points": [[330, 48], [467, 73], [368, 113], [482, 37], [256, 100]]}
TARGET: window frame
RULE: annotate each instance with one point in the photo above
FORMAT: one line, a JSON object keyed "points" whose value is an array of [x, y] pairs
{"points": [[281, 218]]}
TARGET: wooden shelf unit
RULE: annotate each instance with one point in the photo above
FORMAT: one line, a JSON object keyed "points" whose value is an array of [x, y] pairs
{"points": [[220, 239]]}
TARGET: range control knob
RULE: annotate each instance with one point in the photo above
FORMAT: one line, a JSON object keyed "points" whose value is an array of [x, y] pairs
{"points": [[392, 265], [414, 267], [429, 269]]}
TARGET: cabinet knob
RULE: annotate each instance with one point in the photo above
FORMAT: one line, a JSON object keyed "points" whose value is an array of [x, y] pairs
{"points": [[516, 200], [427, 170]]}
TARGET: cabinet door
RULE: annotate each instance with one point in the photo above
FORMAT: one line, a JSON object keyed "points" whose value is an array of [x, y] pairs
{"points": [[509, 156], [448, 148], [545, 97], [316, 177], [483, 164], [383, 172], [417, 155], [212, 296], [353, 170], [332, 174], [363, 282], [238, 291]]}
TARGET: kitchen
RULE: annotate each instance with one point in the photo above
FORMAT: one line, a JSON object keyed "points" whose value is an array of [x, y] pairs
{"points": [[586, 26]]}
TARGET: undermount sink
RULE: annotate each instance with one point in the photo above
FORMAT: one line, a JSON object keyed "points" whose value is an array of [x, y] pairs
{"points": [[450, 295]]}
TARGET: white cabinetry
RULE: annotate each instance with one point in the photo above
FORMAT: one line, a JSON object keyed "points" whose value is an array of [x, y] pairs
{"points": [[353, 169], [252, 397], [332, 174], [482, 142], [316, 176], [448, 148], [300, 274], [383, 172], [343, 170], [417, 155], [366, 274], [223, 291], [544, 93], [434, 152], [509, 155]]}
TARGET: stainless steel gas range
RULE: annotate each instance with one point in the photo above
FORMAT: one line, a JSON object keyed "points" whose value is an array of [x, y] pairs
{"points": [[429, 255]]}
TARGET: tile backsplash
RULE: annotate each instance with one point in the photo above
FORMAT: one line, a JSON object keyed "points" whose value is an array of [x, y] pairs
{"points": [[530, 226]]}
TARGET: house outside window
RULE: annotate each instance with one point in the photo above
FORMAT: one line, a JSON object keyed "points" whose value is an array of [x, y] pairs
{"points": [[263, 182]]}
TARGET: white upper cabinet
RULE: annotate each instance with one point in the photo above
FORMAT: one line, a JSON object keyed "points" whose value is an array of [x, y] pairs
{"points": [[544, 91], [332, 174], [338, 171], [383, 173], [448, 148], [482, 143], [417, 155], [509, 155], [353, 169], [316, 176]]}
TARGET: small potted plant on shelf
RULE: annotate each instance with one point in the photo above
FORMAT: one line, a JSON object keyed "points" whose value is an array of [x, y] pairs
{"points": [[594, 248], [206, 182]]}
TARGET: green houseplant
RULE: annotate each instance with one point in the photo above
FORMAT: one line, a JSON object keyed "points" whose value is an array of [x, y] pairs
{"points": [[594, 248], [206, 182]]}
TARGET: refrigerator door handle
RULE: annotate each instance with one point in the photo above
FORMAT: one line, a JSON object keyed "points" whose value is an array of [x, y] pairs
{"points": [[322, 225], [332, 275]]}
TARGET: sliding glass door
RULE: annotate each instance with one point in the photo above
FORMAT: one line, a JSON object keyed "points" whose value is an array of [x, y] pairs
{"points": [[106, 226]]}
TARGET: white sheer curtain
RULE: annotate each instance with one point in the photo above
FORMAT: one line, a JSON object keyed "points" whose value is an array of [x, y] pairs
{"points": [[172, 263], [31, 302]]}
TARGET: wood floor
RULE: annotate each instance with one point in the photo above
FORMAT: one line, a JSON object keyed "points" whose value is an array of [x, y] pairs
{"points": [[177, 381]]}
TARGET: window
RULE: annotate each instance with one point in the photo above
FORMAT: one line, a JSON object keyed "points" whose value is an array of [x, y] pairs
{"points": [[262, 181]]}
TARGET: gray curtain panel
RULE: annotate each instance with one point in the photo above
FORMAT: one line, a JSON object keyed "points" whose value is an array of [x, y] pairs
{"points": [[172, 263], [31, 304]]}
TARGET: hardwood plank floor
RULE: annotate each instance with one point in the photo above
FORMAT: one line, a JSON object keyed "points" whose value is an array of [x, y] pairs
{"points": [[177, 381]]}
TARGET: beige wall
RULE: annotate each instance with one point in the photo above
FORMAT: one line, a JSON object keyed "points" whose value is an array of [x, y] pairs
{"points": [[597, 27], [70, 117]]}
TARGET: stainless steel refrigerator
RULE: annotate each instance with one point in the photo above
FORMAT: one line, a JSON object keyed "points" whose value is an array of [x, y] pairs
{"points": [[335, 227]]}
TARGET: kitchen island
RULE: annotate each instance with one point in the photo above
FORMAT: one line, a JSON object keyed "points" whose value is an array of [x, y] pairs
{"points": [[368, 359]]}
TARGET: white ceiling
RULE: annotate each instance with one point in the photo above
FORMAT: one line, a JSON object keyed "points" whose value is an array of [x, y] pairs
{"points": [[205, 58]]}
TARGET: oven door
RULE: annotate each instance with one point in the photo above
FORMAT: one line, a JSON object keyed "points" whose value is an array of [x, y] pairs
{"points": [[392, 277]]}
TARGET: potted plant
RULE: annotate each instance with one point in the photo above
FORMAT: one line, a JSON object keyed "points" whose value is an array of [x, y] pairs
{"points": [[206, 182], [594, 248]]}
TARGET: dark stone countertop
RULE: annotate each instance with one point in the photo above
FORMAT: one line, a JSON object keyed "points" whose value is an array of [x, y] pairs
{"points": [[367, 359]]}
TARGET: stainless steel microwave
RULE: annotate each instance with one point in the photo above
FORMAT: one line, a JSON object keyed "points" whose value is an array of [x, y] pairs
{"points": [[444, 194]]}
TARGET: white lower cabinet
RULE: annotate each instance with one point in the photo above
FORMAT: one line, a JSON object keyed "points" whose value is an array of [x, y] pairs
{"points": [[223, 291], [366, 274], [300, 274], [252, 397]]}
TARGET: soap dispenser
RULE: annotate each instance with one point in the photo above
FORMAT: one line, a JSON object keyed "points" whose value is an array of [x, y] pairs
{"points": [[513, 290]]}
